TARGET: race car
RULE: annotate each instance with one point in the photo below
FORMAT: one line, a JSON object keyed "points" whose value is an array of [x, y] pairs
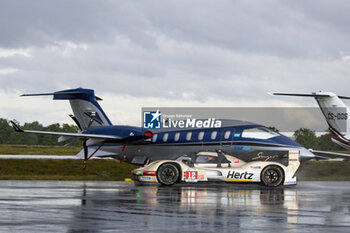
{"points": [[271, 168]]}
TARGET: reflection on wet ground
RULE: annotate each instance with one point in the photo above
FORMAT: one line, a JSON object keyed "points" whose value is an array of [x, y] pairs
{"points": [[32, 206]]}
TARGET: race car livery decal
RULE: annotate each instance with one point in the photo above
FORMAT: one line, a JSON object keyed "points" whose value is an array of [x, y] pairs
{"points": [[241, 148], [191, 176], [290, 182], [267, 156], [239, 176]]}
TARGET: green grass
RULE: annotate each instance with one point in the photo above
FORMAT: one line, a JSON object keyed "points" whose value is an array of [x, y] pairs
{"points": [[324, 171], [48, 169], [38, 150], [107, 169]]}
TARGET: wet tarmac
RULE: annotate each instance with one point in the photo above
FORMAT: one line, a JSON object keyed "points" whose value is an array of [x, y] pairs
{"points": [[54, 206]]}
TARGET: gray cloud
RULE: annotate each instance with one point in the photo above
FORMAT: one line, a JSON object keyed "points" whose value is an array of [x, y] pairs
{"points": [[187, 50], [288, 29]]}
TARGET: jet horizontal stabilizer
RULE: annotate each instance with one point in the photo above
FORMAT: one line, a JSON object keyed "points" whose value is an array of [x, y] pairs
{"points": [[343, 97], [39, 94], [313, 94], [59, 93], [302, 94]]}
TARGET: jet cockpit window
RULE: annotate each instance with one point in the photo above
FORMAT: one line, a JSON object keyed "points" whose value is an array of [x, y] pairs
{"points": [[165, 137], [177, 137], [259, 133], [154, 137]]}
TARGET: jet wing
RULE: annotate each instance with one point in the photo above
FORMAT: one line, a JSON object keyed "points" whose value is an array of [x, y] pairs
{"points": [[90, 139], [98, 137], [331, 154]]}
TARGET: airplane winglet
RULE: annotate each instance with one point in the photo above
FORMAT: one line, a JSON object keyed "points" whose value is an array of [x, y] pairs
{"points": [[16, 127]]}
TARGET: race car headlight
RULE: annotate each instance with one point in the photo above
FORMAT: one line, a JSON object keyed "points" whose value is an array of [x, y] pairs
{"points": [[138, 173]]}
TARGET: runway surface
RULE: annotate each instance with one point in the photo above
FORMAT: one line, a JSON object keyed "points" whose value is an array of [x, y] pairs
{"points": [[54, 206]]}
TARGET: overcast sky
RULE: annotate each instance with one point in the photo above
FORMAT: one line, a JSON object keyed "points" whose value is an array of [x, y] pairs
{"points": [[169, 53]]}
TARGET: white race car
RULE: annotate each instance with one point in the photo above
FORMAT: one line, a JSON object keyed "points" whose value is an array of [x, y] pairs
{"points": [[217, 166]]}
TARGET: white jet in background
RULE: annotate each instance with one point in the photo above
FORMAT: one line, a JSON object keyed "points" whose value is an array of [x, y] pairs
{"points": [[336, 114]]}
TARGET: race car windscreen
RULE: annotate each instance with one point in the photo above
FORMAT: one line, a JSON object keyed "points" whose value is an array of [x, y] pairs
{"points": [[206, 159]]}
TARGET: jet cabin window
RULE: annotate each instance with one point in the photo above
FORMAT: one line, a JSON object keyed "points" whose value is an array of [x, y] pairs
{"points": [[259, 133], [188, 136], [200, 136], [165, 137], [213, 135], [154, 138], [227, 134], [177, 137]]}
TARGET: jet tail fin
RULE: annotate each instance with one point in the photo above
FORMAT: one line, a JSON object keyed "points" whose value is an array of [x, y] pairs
{"points": [[335, 112], [86, 109]]}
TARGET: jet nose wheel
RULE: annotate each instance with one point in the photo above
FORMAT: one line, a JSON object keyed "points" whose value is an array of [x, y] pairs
{"points": [[272, 176], [168, 174]]}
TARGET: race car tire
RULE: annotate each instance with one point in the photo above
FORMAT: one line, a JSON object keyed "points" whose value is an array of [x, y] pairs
{"points": [[168, 174], [272, 176]]}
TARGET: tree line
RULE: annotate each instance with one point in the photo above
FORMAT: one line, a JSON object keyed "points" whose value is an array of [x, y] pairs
{"points": [[309, 140], [303, 136], [9, 136]]}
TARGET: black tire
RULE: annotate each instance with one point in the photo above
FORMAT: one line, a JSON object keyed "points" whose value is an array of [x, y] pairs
{"points": [[168, 174], [272, 176]]}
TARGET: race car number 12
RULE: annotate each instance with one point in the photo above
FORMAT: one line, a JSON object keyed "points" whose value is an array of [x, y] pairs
{"points": [[191, 175]]}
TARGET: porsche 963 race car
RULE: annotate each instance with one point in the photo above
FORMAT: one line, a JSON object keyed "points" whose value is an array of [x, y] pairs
{"points": [[270, 168]]}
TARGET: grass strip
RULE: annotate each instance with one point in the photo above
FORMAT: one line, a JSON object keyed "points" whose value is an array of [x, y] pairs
{"points": [[38, 150], [324, 171], [112, 170], [48, 169]]}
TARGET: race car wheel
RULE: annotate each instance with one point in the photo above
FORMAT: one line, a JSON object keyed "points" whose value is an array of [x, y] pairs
{"points": [[272, 176], [167, 174]]}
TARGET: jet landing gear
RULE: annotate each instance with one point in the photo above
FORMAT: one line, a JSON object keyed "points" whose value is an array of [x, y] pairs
{"points": [[86, 153]]}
